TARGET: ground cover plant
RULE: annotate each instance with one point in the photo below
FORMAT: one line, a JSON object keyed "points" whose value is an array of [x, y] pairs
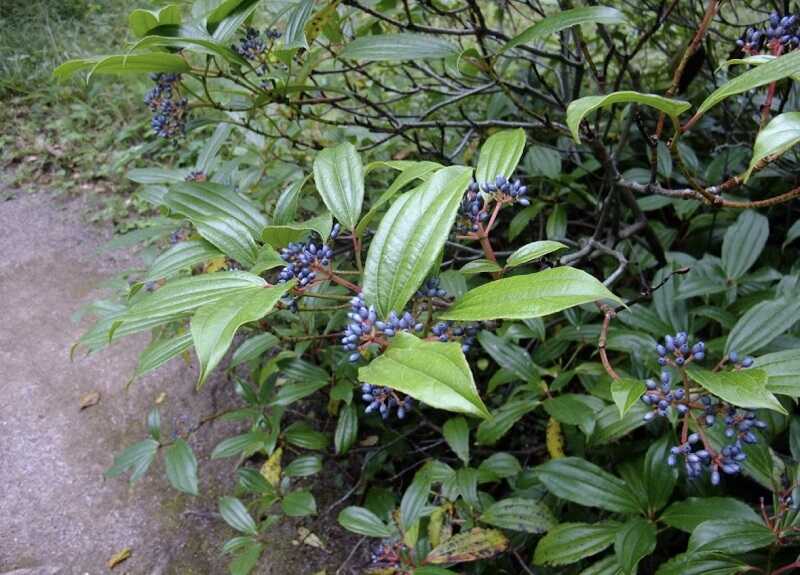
{"points": [[535, 262]]}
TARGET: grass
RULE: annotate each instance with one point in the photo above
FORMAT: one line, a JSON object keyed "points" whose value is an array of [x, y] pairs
{"points": [[71, 137]]}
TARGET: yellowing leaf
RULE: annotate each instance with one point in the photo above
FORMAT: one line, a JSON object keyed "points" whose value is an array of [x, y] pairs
{"points": [[555, 440], [271, 470], [469, 546], [215, 265], [118, 557]]}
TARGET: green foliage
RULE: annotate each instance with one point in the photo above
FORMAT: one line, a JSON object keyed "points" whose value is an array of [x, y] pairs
{"points": [[365, 247]]}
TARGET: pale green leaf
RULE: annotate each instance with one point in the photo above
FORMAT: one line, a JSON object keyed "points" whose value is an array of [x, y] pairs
{"points": [[339, 177], [564, 19], [500, 155], [742, 388]]}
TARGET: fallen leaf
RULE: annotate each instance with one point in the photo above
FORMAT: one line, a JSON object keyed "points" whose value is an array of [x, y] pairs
{"points": [[119, 557], [369, 441], [310, 538], [161, 397], [90, 399]]}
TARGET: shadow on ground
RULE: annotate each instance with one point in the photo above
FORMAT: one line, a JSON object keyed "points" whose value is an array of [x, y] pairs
{"points": [[58, 515]]}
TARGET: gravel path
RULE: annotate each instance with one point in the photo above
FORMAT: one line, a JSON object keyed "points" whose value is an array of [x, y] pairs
{"points": [[58, 515]]}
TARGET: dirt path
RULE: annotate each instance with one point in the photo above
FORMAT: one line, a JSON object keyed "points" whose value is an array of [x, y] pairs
{"points": [[58, 515]]}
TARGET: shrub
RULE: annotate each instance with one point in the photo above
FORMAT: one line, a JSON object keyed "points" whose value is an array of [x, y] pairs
{"points": [[447, 286]]}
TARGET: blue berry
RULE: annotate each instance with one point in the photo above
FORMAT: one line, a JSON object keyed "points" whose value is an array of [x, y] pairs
{"points": [[747, 361], [167, 105]]}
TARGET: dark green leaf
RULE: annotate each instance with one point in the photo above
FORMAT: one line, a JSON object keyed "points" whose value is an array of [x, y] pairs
{"points": [[635, 540], [398, 48], [743, 243], [571, 542], [346, 429], [502, 420], [235, 514], [762, 323], [582, 482], [181, 467], [299, 504], [364, 522], [687, 515], [563, 20], [730, 536], [136, 458], [519, 514]]}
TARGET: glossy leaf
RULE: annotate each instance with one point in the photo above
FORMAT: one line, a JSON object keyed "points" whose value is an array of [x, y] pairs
{"points": [[339, 177], [235, 514], [783, 371], [299, 504], [519, 514], [364, 522], [658, 476], [198, 200], [183, 255], [781, 134], [253, 348], [635, 540], [213, 326], [124, 64], [434, 373], [160, 352], [283, 235], [743, 243], [500, 155], [456, 433], [398, 48], [181, 466], [702, 563], [299, 14], [579, 109], [410, 237], [480, 266], [782, 67], [502, 420], [247, 443], [228, 17], [415, 498], [208, 155], [508, 355], [286, 205], [136, 458], [230, 236], [762, 323], [743, 388], [346, 429], [730, 536], [582, 482], [303, 466], [533, 251], [563, 20], [570, 542], [470, 545], [688, 514], [528, 296], [625, 393]]}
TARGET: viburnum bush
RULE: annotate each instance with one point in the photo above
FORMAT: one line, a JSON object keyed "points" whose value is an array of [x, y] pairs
{"points": [[550, 316]]}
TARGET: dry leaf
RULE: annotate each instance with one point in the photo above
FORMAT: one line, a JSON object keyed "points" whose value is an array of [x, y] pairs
{"points": [[119, 557], [90, 399], [271, 470], [369, 441], [310, 538], [161, 397]]}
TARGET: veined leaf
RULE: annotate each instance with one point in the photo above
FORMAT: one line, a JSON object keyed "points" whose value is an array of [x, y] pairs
{"points": [[398, 48], [570, 542], [500, 155], [434, 373], [410, 237], [160, 352], [207, 156], [181, 466], [743, 243], [520, 514], [137, 458], [634, 541], [578, 109], [585, 483], [363, 521], [778, 69], [228, 16], [528, 296], [565, 19], [762, 323], [730, 536], [182, 255], [783, 371], [469, 545], [214, 325], [283, 235], [625, 393], [141, 21], [230, 236], [687, 515], [782, 133], [533, 251], [124, 64], [743, 388], [235, 514], [294, 36], [197, 200], [503, 419], [339, 177]]}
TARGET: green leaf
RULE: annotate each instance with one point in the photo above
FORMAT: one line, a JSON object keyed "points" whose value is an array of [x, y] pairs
{"points": [[499, 466], [206, 157], [286, 204], [253, 348], [579, 109], [303, 466], [556, 226], [254, 482], [635, 540], [500, 155], [124, 64], [181, 466], [247, 443], [183, 255], [346, 429], [687, 515], [783, 371], [136, 458], [228, 17], [415, 498], [573, 409], [339, 177], [508, 355], [434, 373], [570, 542], [730, 536], [410, 237], [543, 161], [743, 243], [267, 258], [283, 235], [299, 504], [625, 393], [398, 48], [564, 19], [782, 67], [301, 435], [792, 234], [190, 37], [288, 393], [781, 134], [712, 563], [246, 558], [160, 352], [456, 433], [528, 296], [295, 36], [762, 323], [658, 476], [157, 175], [411, 173], [198, 200], [235, 514], [364, 522], [502, 420], [533, 251], [519, 514], [471, 545], [480, 266], [582, 482], [214, 325], [230, 236], [743, 388]]}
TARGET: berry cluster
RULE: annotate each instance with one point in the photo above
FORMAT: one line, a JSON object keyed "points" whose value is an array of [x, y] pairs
{"points": [[445, 331], [474, 206], [431, 288], [254, 46], [662, 397], [507, 190], [168, 107], [384, 399], [675, 350], [196, 176], [301, 258], [746, 361], [778, 34], [364, 327]]}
